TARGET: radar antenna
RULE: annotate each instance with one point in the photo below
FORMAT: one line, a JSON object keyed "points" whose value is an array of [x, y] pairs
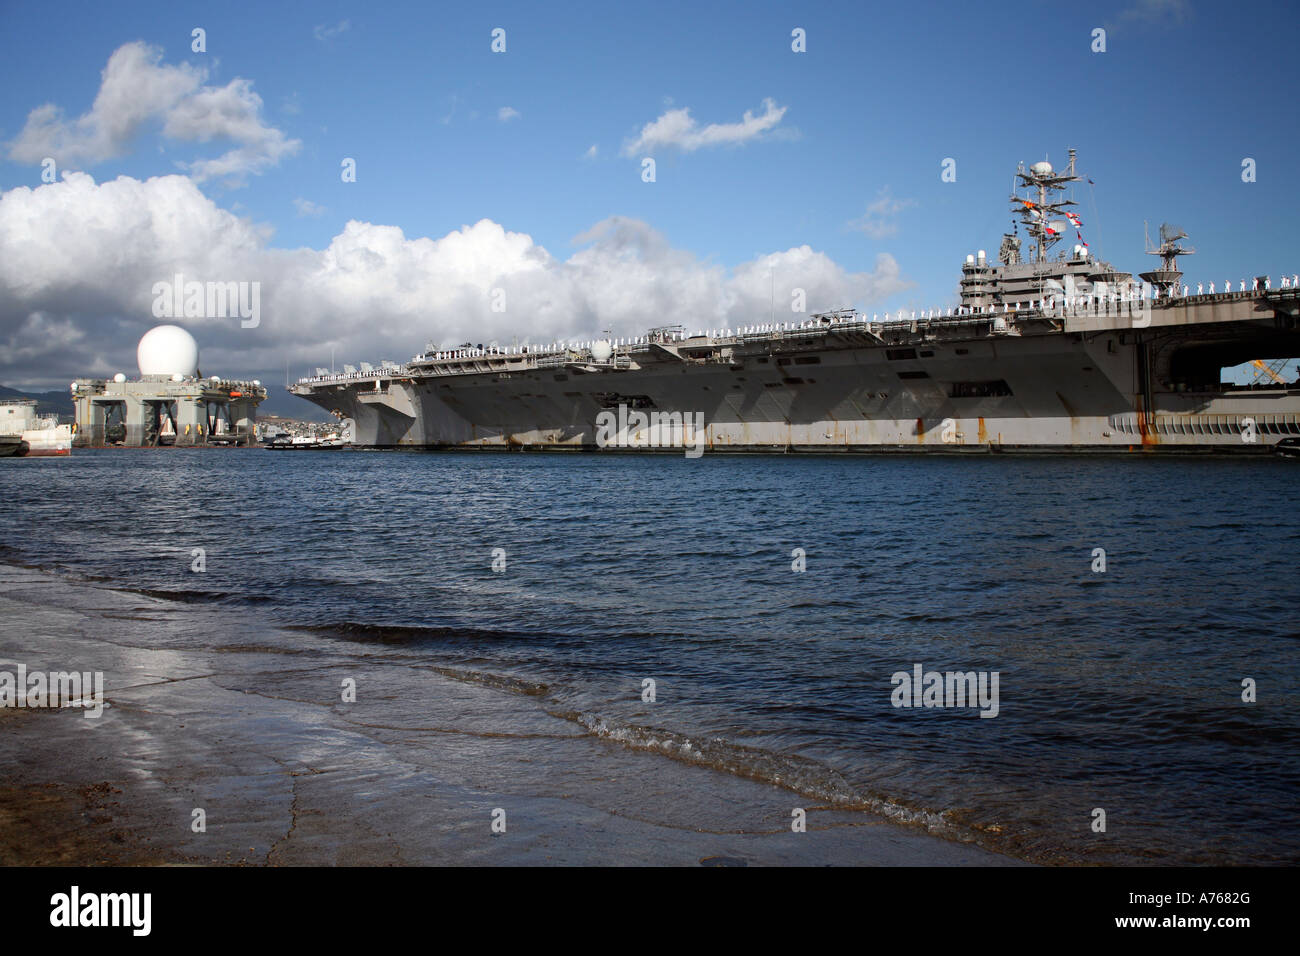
{"points": [[1168, 277], [1041, 202]]}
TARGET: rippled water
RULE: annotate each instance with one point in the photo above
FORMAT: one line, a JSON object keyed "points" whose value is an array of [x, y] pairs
{"points": [[1118, 690]]}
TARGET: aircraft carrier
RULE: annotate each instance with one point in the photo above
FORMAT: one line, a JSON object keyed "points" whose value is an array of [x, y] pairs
{"points": [[1044, 353]]}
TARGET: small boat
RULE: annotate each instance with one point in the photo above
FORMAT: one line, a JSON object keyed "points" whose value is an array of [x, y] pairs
{"points": [[1288, 448], [307, 443]]}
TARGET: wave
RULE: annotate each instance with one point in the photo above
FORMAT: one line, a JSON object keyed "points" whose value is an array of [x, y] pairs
{"points": [[798, 774], [515, 685], [183, 597]]}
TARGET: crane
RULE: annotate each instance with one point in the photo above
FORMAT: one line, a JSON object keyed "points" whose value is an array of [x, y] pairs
{"points": [[1271, 370]]}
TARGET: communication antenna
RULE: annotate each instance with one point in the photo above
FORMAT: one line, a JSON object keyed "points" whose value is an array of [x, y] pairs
{"points": [[1168, 277], [1042, 204]]}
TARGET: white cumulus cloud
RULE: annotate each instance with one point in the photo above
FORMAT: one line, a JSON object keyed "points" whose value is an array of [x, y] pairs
{"points": [[79, 260], [507, 113], [136, 90]]}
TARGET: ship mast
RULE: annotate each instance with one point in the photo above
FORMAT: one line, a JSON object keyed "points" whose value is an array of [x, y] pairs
{"points": [[1042, 202], [1168, 276]]}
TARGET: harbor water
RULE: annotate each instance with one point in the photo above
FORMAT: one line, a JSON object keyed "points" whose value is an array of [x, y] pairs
{"points": [[749, 614]]}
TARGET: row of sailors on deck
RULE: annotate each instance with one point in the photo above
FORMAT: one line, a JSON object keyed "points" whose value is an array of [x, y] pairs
{"points": [[1131, 294], [1292, 283]]}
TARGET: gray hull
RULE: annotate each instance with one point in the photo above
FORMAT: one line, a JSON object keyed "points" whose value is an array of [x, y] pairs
{"points": [[1034, 380]]}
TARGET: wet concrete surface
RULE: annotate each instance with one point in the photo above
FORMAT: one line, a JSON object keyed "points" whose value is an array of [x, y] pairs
{"points": [[217, 710]]}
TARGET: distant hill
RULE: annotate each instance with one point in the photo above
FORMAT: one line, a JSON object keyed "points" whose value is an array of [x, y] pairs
{"points": [[47, 403]]}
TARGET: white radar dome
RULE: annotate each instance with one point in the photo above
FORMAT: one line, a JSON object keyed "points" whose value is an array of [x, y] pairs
{"points": [[601, 350], [1041, 169], [119, 378], [168, 350]]}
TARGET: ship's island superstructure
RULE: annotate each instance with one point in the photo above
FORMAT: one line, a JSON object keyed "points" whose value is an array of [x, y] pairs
{"points": [[1043, 353]]}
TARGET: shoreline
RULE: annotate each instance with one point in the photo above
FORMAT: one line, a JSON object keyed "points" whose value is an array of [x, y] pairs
{"points": [[215, 710]]}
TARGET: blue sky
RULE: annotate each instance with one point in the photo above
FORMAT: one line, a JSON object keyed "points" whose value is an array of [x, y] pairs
{"points": [[1162, 121]]}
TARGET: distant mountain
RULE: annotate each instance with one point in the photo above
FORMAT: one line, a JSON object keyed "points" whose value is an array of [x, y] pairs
{"points": [[47, 403]]}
